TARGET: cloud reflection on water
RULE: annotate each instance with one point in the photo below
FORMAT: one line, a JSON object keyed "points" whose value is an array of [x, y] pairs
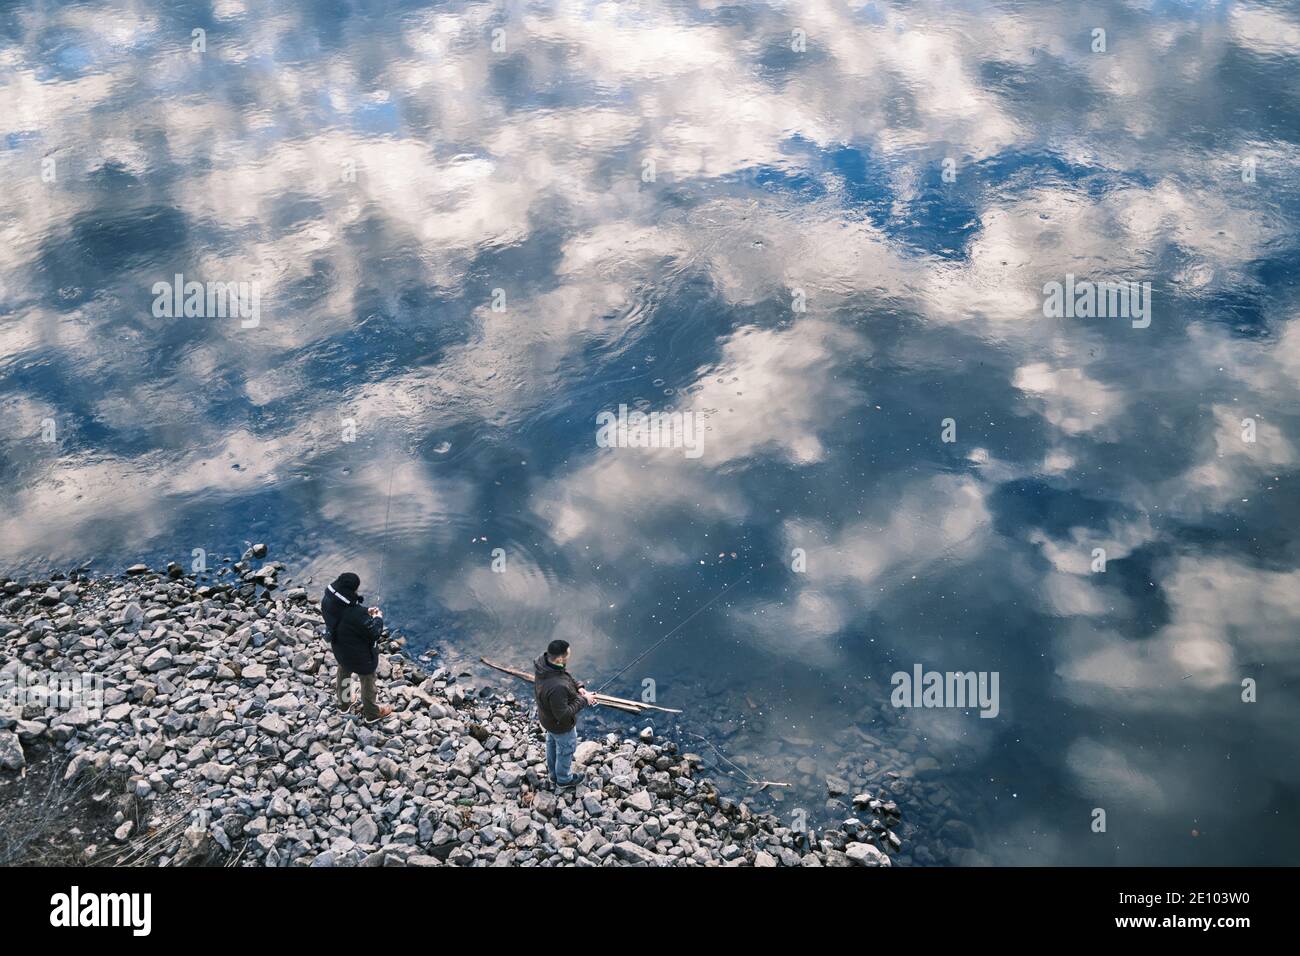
{"points": [[775, 172]]}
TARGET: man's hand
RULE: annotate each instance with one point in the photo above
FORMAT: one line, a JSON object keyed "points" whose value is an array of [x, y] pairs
{"points": [[375, 612], [587, 695]]}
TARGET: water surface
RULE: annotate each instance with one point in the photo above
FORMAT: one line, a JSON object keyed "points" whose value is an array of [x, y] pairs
{"points": [[468, 243]]}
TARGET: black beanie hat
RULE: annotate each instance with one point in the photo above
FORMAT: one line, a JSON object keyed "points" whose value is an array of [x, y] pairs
{"points": [[347, 581]]}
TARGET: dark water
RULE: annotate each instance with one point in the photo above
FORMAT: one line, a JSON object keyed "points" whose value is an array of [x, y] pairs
{"points": [[794, 269]]}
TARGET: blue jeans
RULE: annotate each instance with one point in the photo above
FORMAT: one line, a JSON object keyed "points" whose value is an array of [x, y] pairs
{"points": [[559, 755]]}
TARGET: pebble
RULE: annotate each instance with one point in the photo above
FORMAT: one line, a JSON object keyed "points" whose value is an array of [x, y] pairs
{"points": [[216, 700]]}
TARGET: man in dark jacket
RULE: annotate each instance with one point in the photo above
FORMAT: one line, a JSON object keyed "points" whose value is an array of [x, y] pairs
{"points": [[353, 631], [559, 698]]}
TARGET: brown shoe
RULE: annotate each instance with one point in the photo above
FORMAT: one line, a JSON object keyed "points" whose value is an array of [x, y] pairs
{"points": [[384, 712]]}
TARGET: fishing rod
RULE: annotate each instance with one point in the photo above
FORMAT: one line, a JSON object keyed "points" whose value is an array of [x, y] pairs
{"points": [[618, 703]]}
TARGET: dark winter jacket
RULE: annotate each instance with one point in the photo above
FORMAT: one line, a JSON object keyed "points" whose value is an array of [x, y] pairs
{"points": [[350, 629], [558, 700]]}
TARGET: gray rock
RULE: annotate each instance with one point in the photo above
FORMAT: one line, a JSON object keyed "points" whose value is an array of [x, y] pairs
{"points": [[365, 830], [11, 751], [118, 712], [864, 854], [273, 724], [160, 659], [586, 752], [215, 772], [627, 850]]}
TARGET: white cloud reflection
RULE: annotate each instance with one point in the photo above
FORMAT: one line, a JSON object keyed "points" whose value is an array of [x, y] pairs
{"points": [[472, 177]]}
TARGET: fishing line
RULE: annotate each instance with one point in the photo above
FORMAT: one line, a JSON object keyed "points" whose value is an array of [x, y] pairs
{"points": [[674, 630], [724, 757], [760, 784], [383, 545], [749, 778]]}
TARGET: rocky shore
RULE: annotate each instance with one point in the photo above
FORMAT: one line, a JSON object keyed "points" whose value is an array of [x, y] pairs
{"points": [[157, 719]]}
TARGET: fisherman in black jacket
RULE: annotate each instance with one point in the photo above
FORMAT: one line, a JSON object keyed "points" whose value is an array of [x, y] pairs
{"points": [[559, 698], [354, 631]]}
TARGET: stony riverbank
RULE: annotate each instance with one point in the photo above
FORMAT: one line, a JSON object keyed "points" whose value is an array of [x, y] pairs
{"points": [[217, 742]]}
